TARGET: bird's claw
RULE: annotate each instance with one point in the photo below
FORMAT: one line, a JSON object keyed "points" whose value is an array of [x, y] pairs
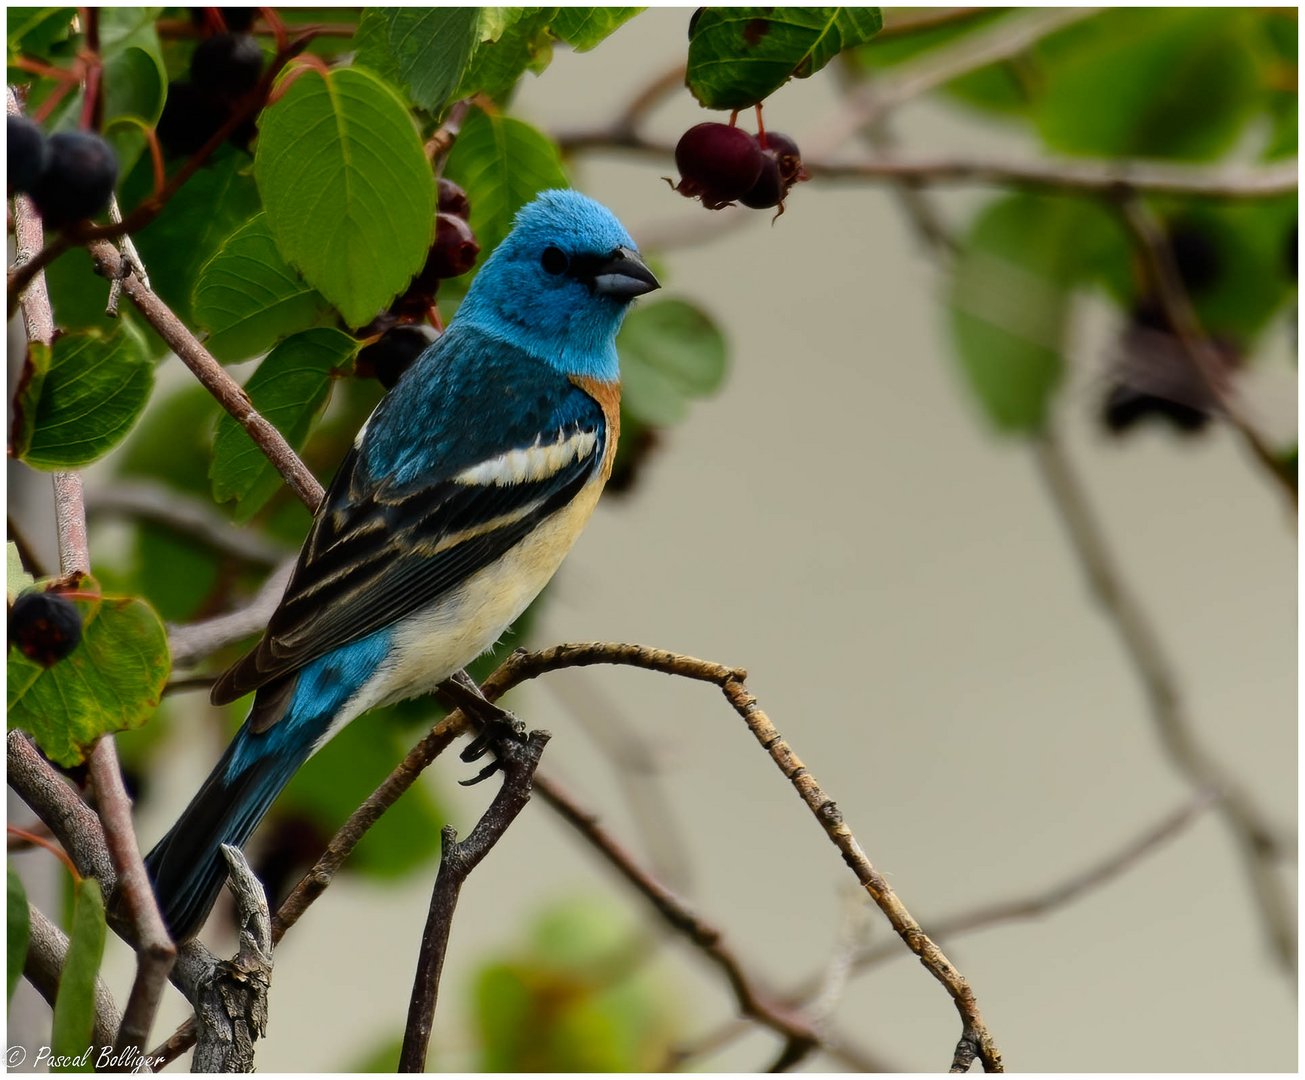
{"points": [[497, 725]]}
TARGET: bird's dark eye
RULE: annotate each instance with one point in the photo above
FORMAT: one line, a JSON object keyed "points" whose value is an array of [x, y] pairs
{"points": [[553, 260]]}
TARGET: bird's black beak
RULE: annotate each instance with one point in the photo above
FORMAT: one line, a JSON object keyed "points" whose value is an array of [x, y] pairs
{"points": [[623, 276]]}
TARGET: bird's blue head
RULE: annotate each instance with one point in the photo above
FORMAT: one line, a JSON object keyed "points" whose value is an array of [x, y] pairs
{"points": [[559, 284]]}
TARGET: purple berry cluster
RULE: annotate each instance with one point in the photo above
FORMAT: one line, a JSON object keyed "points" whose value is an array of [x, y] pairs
{"points": [[68, 176], [722, 164], [404, 333]]}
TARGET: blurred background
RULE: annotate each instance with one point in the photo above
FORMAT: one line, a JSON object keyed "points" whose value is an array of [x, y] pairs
{"points": [[876, 533]]}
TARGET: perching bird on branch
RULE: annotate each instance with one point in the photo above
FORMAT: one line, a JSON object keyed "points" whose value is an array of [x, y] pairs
{"points": [[462, 493]]}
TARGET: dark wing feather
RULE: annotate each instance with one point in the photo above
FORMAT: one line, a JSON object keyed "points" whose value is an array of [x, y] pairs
{"points": [[383, 547]]}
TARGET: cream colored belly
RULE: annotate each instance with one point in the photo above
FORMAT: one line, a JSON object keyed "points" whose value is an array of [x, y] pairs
{"points": [[432, 644]]}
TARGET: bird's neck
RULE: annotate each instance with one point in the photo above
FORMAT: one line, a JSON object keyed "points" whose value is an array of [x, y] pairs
{"points": [[580, 346]]}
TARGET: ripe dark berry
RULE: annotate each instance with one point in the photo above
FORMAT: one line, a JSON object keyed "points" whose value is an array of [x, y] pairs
{"points": [[44, 626], [717, 163], [454, 251], [453, 200], [782, 170], [769, 190], [1125, 406], [393, 353], [25, 143], [78, 179], [226, 66], [190, 118]]}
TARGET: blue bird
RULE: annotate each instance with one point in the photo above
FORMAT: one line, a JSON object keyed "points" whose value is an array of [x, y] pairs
{"points": [[461, 495]]}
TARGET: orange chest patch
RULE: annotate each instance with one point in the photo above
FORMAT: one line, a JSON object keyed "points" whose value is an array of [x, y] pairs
{"points": [[608, 396]]}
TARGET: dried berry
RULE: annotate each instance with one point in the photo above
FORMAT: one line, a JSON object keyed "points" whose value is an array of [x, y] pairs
{"points": [[717, 163], [44, 626], [393, 353], [25, 143], [454, 251], [453, 200], [78, 179], [226, 66]]}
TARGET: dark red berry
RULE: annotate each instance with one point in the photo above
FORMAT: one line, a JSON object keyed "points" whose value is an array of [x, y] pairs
{"points": [[226, 66], [78, 179], [44, 626], [390, 356], [787, 154], [190, 118], [454, 251], [717, 163], [782, 170], [768, 191], [27, 151], [453, 200]]}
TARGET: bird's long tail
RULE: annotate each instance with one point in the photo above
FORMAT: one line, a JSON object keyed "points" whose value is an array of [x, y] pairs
{"points": [[187, 866]]}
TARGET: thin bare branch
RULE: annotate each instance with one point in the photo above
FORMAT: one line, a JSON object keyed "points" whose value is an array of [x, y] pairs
{"points": [[459, 858], [1256, 838]]}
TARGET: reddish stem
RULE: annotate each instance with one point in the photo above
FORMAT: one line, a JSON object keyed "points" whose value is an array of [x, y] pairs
{"points": [[41, 841], [761, 128]]}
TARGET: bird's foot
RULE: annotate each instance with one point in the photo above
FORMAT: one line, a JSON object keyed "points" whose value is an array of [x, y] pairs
{"points": [[496, 726]]}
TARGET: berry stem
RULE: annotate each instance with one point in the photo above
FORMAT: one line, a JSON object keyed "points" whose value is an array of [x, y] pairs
{"points": [[41, 841], [734, 117], [761, 127], [277, 27], [433, 317]]}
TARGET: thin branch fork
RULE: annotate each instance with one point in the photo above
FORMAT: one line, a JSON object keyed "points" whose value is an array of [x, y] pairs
{"points": [[458, 859]]}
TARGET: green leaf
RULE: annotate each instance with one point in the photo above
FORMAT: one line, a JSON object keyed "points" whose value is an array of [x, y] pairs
{"points": [[85, 401], [519, 42], [74, 1005], [17, 927], [582, 28], [135, 85], [740, 56], [111, 681], [671, 352], [289, 389], [348, 191], [502, 163], [206, 210], [248, 298], [16, 577], [1169, 82], [1009, 301], [33, 30], [424, 50]]}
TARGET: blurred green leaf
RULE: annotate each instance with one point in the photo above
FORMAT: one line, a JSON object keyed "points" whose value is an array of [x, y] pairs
{"points": [[112, 680], [424, 50], [671, 352], [348, 191], [582, 28], [347, 770], [1153, 82], [289, 389], [502, 163], [573, 1000], [16, 578], [31, 31], [17, 927], [76, 403], [248, 298], [740, 56], [74, 1004], [1009, 301], [194, 225]]}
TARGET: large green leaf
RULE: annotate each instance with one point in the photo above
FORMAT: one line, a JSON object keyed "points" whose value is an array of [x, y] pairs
{"points": [[502, 163], [74, 1005], [1009, 300], [518, 40], [582, 28], [348, 191], [17, 927], [289, 389], [671, 352], [740, 56], [1153, 82], [112, 680], [206, 210], [77, 401], [248, 298], [424, 50]]}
